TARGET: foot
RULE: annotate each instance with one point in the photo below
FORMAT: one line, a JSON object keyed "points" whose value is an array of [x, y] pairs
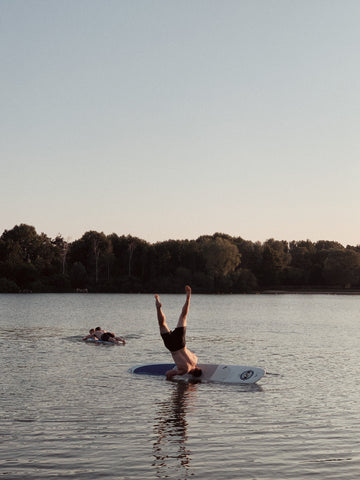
{"points": [[188, 291], [157, 301]]}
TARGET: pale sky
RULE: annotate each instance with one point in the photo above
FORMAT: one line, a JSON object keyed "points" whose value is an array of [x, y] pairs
{"points": [[168, 119]]}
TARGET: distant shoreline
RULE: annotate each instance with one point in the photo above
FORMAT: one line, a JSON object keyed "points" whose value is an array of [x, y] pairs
{"points": [[269, 291], [309, 291]]}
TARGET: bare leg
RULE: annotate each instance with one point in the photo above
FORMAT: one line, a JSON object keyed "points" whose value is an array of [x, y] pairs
{"points": [[161, 317], [185, 309]]}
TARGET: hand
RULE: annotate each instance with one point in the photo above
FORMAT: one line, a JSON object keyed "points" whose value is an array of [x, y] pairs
{"points": [[171, 373]]}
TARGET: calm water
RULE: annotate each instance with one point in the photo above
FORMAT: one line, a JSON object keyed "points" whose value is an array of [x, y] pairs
{"points": [[70, 410]]}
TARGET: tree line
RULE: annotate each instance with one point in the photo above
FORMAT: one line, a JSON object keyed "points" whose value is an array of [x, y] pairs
{"points": [[219, 263]]}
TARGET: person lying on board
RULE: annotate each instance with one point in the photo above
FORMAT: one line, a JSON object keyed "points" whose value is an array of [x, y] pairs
{"points": [[91, 334], [185, 360], [102, 335], [98, 332], [110, 337]]}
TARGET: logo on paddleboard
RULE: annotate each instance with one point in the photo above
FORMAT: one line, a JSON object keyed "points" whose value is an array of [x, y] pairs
{"points": [[246, 375]]}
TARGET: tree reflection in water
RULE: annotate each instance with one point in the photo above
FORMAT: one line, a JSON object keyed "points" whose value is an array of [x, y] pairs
{"points": [[170, 426]]}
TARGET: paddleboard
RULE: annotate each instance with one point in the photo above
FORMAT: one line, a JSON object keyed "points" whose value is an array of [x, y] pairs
{"points": [[92, 340], [210, 372]]}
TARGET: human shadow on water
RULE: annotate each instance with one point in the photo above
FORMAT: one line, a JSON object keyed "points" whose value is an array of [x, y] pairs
{"points": [[171, 455]]}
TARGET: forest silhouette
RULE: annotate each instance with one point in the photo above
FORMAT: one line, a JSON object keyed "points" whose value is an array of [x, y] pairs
{"points": [[218, 263]]}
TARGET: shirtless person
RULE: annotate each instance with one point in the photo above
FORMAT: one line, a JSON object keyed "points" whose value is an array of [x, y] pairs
{"points": [[98, 332], [91, 335], [105, 336], [174, 341]]}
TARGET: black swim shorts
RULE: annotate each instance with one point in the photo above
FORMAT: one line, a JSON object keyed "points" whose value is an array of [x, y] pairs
{"points": [[106, 336], [174, 340]]}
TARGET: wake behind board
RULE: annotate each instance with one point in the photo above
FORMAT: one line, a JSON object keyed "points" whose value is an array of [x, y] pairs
{"points": [[210, 372]]}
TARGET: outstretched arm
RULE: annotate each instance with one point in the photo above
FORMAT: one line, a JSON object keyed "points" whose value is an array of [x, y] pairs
{"points": [[175, 371], [89, 336]]}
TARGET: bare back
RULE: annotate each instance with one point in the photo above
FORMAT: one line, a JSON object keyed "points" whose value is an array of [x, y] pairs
{"points": [[185, 360]]}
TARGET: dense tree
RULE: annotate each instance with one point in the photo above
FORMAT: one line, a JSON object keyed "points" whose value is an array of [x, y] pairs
{"points": [[91, 250], [130, 262], [99, 263], [62, 249], [302, 259], [276, 257], [79, 278], [342, 267], [221, 258], [27, 257]]}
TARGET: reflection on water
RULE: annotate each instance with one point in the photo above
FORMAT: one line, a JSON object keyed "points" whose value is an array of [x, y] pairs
{"points": [[72, 411], [170, 449]]}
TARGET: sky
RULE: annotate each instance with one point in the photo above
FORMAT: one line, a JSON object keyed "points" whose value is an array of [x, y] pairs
{"points": [[164, 119]]}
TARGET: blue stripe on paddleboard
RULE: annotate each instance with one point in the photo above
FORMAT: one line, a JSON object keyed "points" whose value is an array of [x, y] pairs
{"points": [[91, 340], [157, 369]]}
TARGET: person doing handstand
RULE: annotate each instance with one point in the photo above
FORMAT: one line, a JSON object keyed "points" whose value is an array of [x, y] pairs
{"points": [[185, 360]]}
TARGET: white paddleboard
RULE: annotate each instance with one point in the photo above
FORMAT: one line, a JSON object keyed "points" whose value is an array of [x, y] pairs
{"points": [[241, 374]]}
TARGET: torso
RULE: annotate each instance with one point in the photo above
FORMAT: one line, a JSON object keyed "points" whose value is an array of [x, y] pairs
{"points": [[185, 359]]}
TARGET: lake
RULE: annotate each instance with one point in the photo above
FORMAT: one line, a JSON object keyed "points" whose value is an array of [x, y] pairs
{"points": [[71, 410]]}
